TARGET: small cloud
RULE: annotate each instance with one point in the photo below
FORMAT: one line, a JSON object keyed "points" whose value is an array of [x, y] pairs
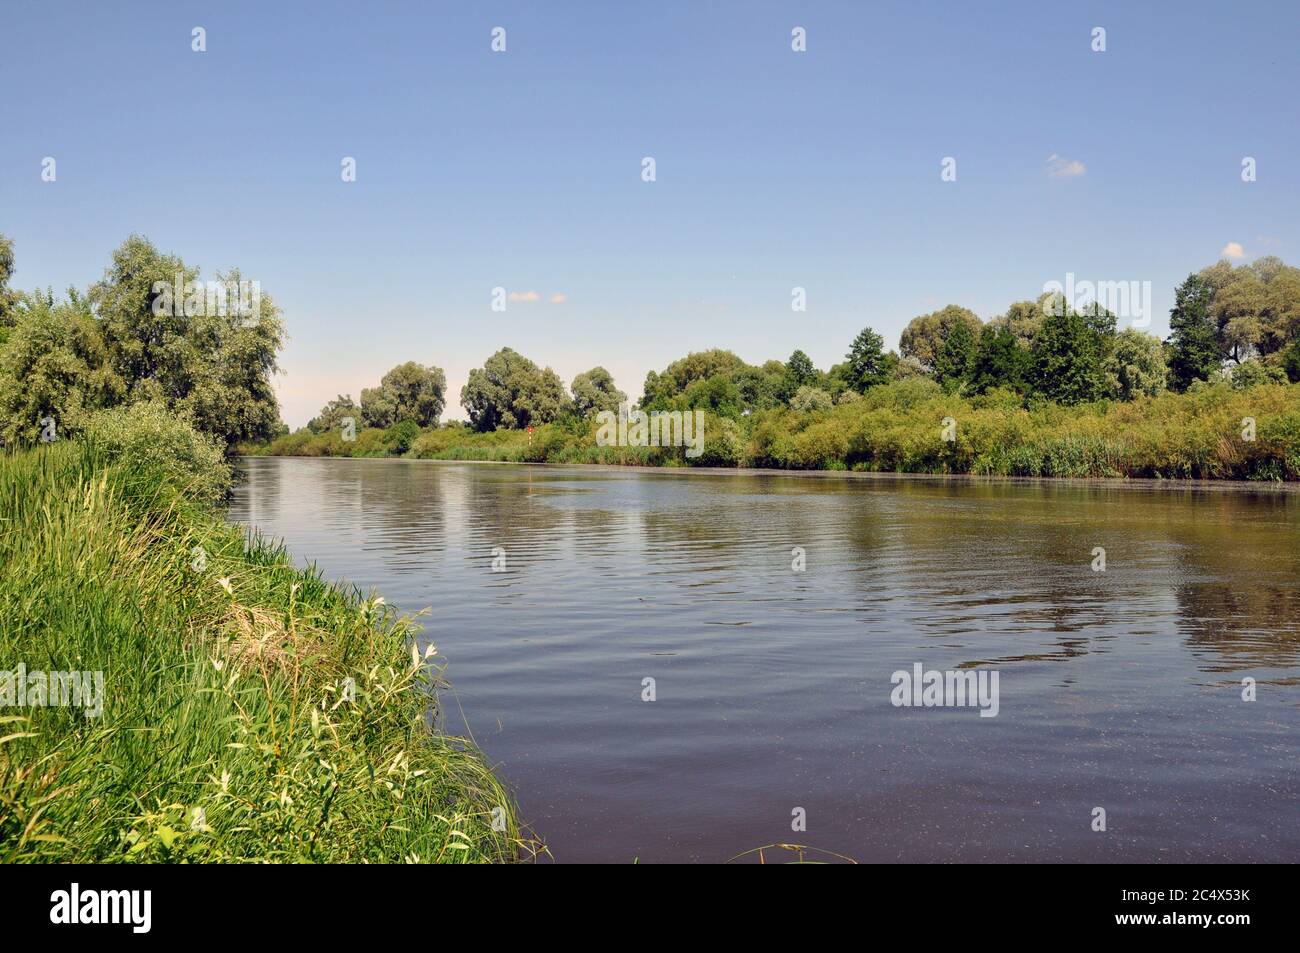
{"points": [[1233, 250], [1059, 167], [558, 298], [525, 296]]}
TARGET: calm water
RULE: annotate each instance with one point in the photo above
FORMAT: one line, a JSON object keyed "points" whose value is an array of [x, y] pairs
{"points": [[1120, 690]]}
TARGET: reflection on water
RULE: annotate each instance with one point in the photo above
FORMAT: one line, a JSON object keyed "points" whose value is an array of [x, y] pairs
{"points": [[1119, 689]]}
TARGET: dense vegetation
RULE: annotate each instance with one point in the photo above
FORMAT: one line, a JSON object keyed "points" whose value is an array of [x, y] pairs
{"points": [[149, 331], [253, 712], [1044, 389], [1203, 433]]}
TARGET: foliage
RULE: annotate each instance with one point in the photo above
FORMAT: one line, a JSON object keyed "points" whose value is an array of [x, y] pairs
{"points": [[147, 440], [594, 391], [133, 338], [1069, 353], [332, 415], [999, 360], [899, 426], [251, 711], [1023, 319], [1253, 373], [1255, 307], [1193, 340], [1135, 366], [409, 391], [955, 360], [867, 366], [511, 391], [812, 398], [53, 365], [924, 337]]}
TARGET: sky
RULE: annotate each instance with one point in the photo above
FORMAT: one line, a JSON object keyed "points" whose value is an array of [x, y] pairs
{"points": [[522, 169]]}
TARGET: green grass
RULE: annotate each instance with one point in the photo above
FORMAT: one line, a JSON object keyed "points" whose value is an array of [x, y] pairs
{"points": [[225, 734], [900, 427]]}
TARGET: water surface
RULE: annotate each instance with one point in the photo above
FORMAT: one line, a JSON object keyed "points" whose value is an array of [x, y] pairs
{"points": [[1119, 689]]}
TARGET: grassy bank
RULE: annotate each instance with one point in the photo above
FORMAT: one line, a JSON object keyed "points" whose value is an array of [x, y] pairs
{"points": [[250, 711], [1200, 434]]}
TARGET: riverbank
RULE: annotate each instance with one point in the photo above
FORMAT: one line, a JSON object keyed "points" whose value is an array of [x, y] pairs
{"points": [[1212, 431], [186, 694]]}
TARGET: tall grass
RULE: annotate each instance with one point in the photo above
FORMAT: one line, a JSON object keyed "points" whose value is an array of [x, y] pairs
{"points": [[253, 712]]}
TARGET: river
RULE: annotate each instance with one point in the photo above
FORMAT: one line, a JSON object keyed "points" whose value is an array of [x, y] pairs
{"points": [[771, 612]]}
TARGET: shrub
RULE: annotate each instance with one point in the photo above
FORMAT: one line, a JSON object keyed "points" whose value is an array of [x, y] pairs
{"points": [[808, 398], [148, 439], [1253, 373], [724, 444]]}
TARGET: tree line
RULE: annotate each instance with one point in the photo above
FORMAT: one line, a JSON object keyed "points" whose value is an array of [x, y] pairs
{"points": [[112, 345]]}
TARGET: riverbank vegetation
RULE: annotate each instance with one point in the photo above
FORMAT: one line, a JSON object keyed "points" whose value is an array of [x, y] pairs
{"points": [[1212, 431], [1049, 388], [250, 710]]}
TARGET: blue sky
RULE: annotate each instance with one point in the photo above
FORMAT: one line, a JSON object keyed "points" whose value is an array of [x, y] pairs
{"points": [[522, 169]]}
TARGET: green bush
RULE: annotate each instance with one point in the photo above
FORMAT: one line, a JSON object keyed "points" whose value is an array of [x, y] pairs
{"points": [[148, 439]]}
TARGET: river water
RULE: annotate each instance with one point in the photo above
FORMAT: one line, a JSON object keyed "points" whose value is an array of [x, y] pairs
{"points": [[771, 612]]}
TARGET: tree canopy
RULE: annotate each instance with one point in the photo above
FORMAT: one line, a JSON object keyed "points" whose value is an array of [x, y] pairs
{"points": [[511, 391], [594, 391], [204, 358], [409, 391]]}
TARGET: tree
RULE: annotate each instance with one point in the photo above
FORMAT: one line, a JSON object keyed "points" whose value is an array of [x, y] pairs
{"points": [[1068, 354], [760, 387], [1136, 365], [660, 389], [8, 300], [147, 331], [718, 394], [53, 365], [511, 391], [956, 357], [409, 391], [924, 336], [1193, 339], [812, 398], [332, 414], [1255, 308], [866, 360], [1253, 373], [798, 371], [1291, 362], [594, 391], [1023, 319], [1000, 361], [169, 339]]}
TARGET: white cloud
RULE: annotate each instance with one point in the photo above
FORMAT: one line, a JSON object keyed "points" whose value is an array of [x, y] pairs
{"points": [[525, 296], [1233, 250], [558, 298], [1059, 167]]}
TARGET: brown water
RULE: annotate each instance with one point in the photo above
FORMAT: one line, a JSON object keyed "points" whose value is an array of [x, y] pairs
{"points": [[1119, 689]]}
